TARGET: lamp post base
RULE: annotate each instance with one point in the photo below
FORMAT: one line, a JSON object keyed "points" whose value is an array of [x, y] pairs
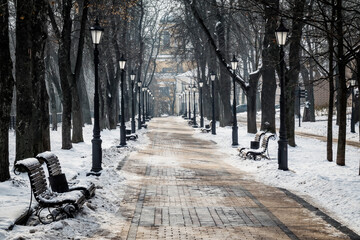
{"points": [[133, 126], [283, 155], [235, 136], [122, 136], [96, 155]]}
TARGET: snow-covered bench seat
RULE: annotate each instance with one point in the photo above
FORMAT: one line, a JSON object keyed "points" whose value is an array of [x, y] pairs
{"points": [[255, 144], [261, 152], [130, 136], [207, 128], [63, 204], [53, 165]]}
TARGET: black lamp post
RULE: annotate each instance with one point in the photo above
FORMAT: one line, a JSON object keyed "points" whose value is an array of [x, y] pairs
{"points": [[201, 83], [185, 106], [281, 34], [96, 33], [213, 122], [139, 104], [189, 91], [122, 63], [132, 77], [194, 111], [234, 64], [143, 103], [352, 123]]}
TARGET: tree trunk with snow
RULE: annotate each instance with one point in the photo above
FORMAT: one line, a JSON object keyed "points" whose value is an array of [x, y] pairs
{"points": [[6, 90]]}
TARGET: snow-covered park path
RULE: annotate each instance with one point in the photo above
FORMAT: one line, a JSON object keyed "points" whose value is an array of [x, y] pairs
{"points": [[181, 188]]}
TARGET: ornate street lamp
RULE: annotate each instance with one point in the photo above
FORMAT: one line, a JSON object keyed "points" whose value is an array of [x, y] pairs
{"points": [[201, 83], [213, 122], [234, 64], [132, 77], [122, 63], [96, 33], [281, 34], [189, 91], [139, 104]]}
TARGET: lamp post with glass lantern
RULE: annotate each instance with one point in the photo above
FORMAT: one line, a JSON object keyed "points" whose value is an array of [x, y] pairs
{"points": [[122, 63], [132, 77], [213, 122], [96, 33], [201, 83], [234, 64], [139, 104], [281, 34], [352, 123]]}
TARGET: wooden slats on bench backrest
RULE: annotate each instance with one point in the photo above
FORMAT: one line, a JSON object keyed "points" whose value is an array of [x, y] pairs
{"points": [[265, 141], [36, 175], [52, 162]]}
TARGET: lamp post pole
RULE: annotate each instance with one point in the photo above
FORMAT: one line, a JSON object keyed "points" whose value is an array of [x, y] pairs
{"points": [[143, 103], [352, 121], [96, 33], [189, 88], [185, 105], [139, 104], [213, 122], [195, 123], [281, 33], [122, 126], [201, 105], [234, 63], [132, 77]]}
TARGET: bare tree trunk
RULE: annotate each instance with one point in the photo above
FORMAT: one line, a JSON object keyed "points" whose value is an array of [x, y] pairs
{"points": [[340, 157], [251, 102], [24, 88], [6, 90], [329, 140], [65, 68], [294, 65], [270, 56]]}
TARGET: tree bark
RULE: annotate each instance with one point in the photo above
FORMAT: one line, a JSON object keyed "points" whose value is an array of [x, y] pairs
{"points": [[6, 90], [251, 102], [65, 68], [270, 55], [24, 88], [340, 156], [294, 65]]}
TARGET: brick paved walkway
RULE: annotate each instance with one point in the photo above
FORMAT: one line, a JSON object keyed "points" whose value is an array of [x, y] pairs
{"points": [[183, 190]]}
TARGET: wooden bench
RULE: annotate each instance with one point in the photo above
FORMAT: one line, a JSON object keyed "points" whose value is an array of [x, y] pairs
{"points": [[262, 152], [255, 144], [60, 205], [130, 136], [53, 166], [207, 128]]}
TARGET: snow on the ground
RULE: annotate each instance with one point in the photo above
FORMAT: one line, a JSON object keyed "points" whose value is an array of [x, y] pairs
{"points": [[335, 189], [98, 214]]}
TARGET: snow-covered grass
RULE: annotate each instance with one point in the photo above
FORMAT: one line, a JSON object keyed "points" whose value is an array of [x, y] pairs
{"points": [[335, 189], [75, 163]]}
